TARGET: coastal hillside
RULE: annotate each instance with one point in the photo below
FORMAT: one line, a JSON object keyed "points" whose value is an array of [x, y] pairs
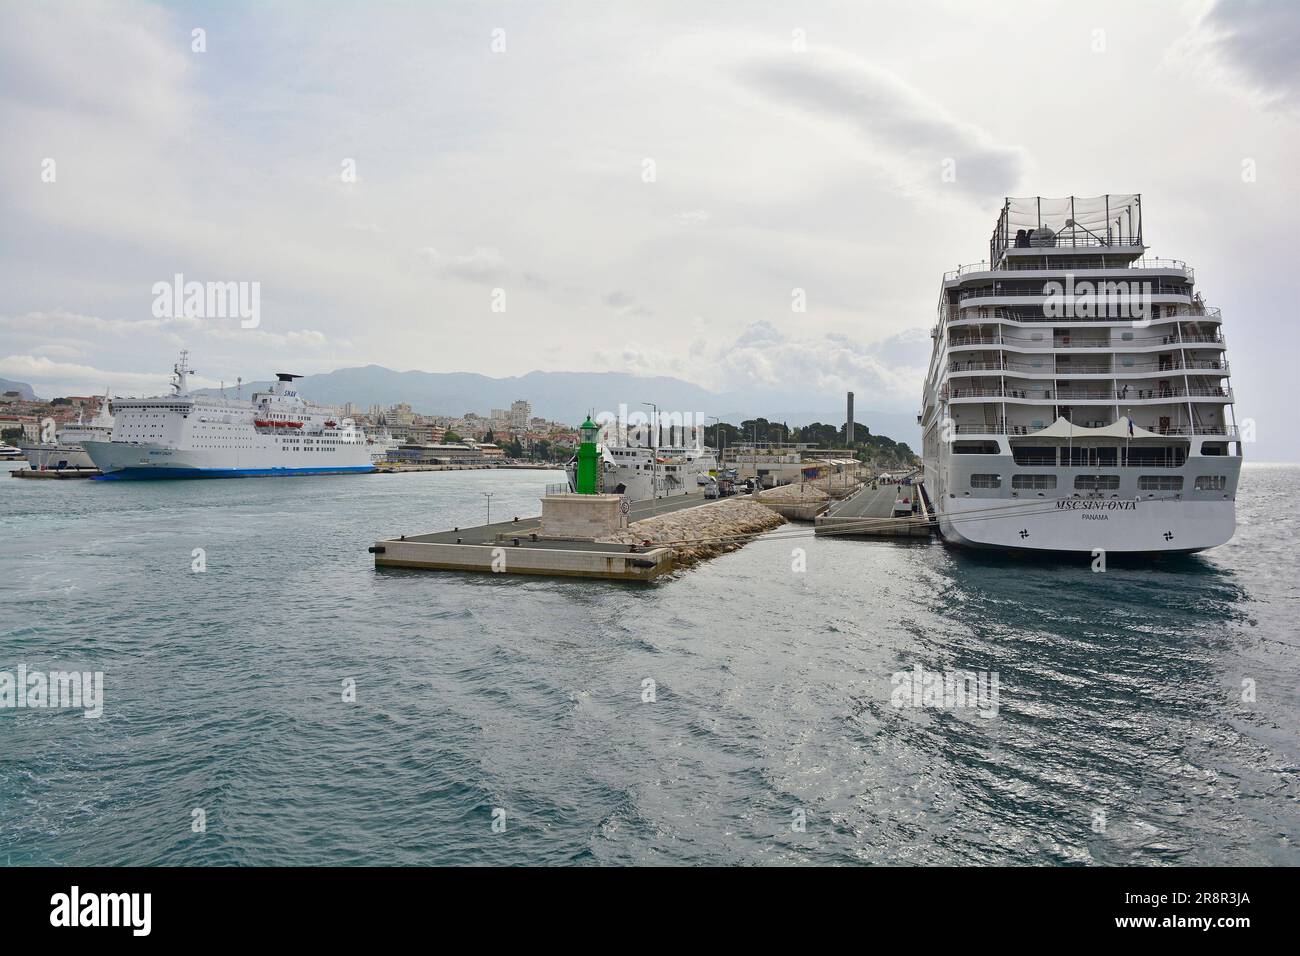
{"points": [[570, 396]]}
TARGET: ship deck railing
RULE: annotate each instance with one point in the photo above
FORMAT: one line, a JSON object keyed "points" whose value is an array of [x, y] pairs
{"points": [[1171, 431], [992, 292], [1197, 365], [1078, 394], [1014, 265], [1075, 342], [1166, 312]]}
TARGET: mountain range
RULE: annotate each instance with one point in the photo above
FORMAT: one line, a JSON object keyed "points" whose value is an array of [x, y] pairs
{"points": [[570, 396]]}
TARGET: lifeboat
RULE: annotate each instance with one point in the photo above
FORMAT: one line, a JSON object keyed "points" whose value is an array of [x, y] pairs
{"points": [[268, 423]]}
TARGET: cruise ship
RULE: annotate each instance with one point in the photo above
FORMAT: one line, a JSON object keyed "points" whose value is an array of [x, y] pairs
{"points": [[182, 435], [1078, 397], [67, 451]]}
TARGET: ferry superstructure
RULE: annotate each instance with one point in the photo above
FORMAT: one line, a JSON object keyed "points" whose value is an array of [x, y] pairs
{"points": [[1078, 395], [181, 435], [67, 450], [641, 472]]}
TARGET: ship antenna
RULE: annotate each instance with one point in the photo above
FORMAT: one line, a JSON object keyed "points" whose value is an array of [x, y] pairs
{"points": [[181, 371]]}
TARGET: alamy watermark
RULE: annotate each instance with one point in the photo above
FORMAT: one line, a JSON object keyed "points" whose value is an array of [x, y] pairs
{"points": [[53, 690], [946, 690], [1104, 299], [636, 429], [208, 300]]}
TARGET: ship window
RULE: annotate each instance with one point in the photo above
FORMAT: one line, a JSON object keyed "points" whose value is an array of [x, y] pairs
{"points": [[1096, 482], [1126, 336], [1033, 482], [986, 481], [975, 448], [1214, 448], [1211, 482], [1160, 482], [1034, 456]]}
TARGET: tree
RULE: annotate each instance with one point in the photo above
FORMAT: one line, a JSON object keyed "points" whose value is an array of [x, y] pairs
{"points": [[451, 436]]}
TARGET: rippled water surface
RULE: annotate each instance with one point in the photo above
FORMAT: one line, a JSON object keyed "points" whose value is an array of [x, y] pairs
{"points": [[1121, 737]]}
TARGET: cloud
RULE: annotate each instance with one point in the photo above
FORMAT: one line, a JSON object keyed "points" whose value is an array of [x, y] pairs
{"points": [[626, 304], [913, 134], [1256, 41], [64, 378], [177, 331], [763, 357], [484, 264]]}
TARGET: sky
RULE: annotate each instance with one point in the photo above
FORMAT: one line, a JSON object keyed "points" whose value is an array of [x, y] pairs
{"points": [[732, 193]]}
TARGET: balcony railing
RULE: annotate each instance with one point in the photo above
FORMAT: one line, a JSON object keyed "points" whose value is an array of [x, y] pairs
{"points": [[1080, 342], [1055, 395], [1175, 431], [998, 313], [1195, 365], [1013, 266], [993, 292]]}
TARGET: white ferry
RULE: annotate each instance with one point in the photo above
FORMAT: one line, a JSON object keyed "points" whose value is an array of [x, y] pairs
{"points": [[1078, 394], [190, 436], [67, 450], [642, 472]]}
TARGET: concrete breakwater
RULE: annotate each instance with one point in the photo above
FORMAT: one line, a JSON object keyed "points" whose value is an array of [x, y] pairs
{"points": [[703, 532], [801, 501]]}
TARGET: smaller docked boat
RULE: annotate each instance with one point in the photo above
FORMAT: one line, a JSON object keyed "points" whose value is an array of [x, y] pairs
{"points": [[67, 450]]}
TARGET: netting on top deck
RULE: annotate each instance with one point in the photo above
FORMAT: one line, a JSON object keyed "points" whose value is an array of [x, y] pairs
{"points": [[1114, 219]]}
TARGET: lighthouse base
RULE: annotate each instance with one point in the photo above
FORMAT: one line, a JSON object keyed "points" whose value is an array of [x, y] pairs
{"points": [[582, 517]]}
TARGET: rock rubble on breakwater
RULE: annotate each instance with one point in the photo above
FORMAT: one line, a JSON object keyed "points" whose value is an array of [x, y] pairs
{"points": [[697, 534]]}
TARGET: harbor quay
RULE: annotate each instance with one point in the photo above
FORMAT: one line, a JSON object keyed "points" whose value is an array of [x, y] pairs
{"points": [[482, 548]]}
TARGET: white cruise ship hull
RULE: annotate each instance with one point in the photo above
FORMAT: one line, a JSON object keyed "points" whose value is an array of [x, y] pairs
{"points": [[43, 457], [1086, 525], [1078, 398]]}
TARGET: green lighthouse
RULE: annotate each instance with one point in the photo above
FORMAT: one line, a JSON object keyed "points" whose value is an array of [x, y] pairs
{"points": [[588, 459]]}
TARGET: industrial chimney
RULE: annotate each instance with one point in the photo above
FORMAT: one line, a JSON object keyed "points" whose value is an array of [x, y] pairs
{"points": [[849, 428]]}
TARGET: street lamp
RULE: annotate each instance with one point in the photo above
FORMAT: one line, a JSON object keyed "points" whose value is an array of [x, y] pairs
{"points": [[654, 451], [717, 423]]}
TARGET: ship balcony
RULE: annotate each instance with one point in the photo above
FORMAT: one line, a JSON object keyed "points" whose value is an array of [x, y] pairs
{"points": [[1049, 396], [1082, 265], [1173, 293], [1127, 341], [977, 364], [1199, 429], [966, 315]]}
